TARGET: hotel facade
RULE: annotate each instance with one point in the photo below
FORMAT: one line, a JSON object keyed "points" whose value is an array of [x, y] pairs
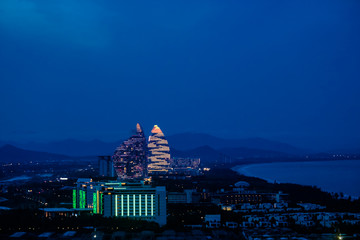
{"points": [[119, 199]]}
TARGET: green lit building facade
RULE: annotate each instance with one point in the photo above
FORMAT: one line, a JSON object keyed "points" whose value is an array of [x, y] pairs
{"points": [[139, 202], [88, 194], [119, 199]]}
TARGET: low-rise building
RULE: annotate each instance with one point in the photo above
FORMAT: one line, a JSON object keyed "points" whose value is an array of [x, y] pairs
{"points": [[231, 225], [187, 196], [122, 199], [213, 220]]}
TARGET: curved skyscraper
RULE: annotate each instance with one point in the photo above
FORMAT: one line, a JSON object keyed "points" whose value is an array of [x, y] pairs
{"points": [[159, 152], [130, 157]]}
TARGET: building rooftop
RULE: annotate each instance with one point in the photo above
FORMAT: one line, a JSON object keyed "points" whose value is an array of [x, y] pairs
{"points": [[84, 180], [45, 234], [69, 234], [18, 234]]}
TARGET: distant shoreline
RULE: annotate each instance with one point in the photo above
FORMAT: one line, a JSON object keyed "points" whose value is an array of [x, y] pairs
{"points": [[250, 161], [333, 178]]}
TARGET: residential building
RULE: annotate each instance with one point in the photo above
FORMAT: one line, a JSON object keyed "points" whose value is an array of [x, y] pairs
{"points": [[106, 166]]}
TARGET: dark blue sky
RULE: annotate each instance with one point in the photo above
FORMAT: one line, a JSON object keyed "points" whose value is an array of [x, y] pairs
{"points": [[283, 70]]}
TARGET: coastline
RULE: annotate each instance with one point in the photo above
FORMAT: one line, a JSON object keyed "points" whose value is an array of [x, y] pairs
{"points": [[339, 177], [242, 169]]}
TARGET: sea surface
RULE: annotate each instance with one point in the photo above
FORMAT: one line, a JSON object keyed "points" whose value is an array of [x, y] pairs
{"points": [[331, 176]]}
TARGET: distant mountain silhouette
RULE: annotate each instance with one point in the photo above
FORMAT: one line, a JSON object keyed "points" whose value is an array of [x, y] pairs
{"points": [[239, 153], [209, 155], [9, 153], [186, 141], [72, 147], [180, 142], [345, 151]]}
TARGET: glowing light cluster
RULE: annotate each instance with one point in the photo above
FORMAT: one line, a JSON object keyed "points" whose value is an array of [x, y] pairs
{"points": [[134, 205], [82, 199], [101, 207], [130, 157], [95, 201], [159, 152], [74, 198]]}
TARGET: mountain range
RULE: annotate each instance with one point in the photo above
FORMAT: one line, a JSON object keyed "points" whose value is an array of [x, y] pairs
{"points": [[70, 147], [180, 142], [9, 153], [207, 154], [209, 148], [186, 141]]}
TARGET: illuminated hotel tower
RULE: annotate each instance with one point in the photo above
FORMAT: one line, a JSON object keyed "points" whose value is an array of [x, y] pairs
{"points": [[130, 157], [159, 152]]}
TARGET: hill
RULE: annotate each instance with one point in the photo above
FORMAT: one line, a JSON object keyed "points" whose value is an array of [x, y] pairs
{"points": [[9, 153], [186, 141], [209, 155], [72, 147], [181, 142]]}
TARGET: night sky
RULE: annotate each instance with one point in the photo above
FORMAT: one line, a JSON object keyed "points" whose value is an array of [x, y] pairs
{"points": [[282, 70]]}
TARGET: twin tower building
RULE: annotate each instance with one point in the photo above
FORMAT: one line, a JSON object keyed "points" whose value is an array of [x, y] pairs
{"points": [[137, 158]]}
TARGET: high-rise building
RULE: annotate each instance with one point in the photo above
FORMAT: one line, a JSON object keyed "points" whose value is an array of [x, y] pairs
{"points": [[130, 160], [159, 152], [106, 166]]}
